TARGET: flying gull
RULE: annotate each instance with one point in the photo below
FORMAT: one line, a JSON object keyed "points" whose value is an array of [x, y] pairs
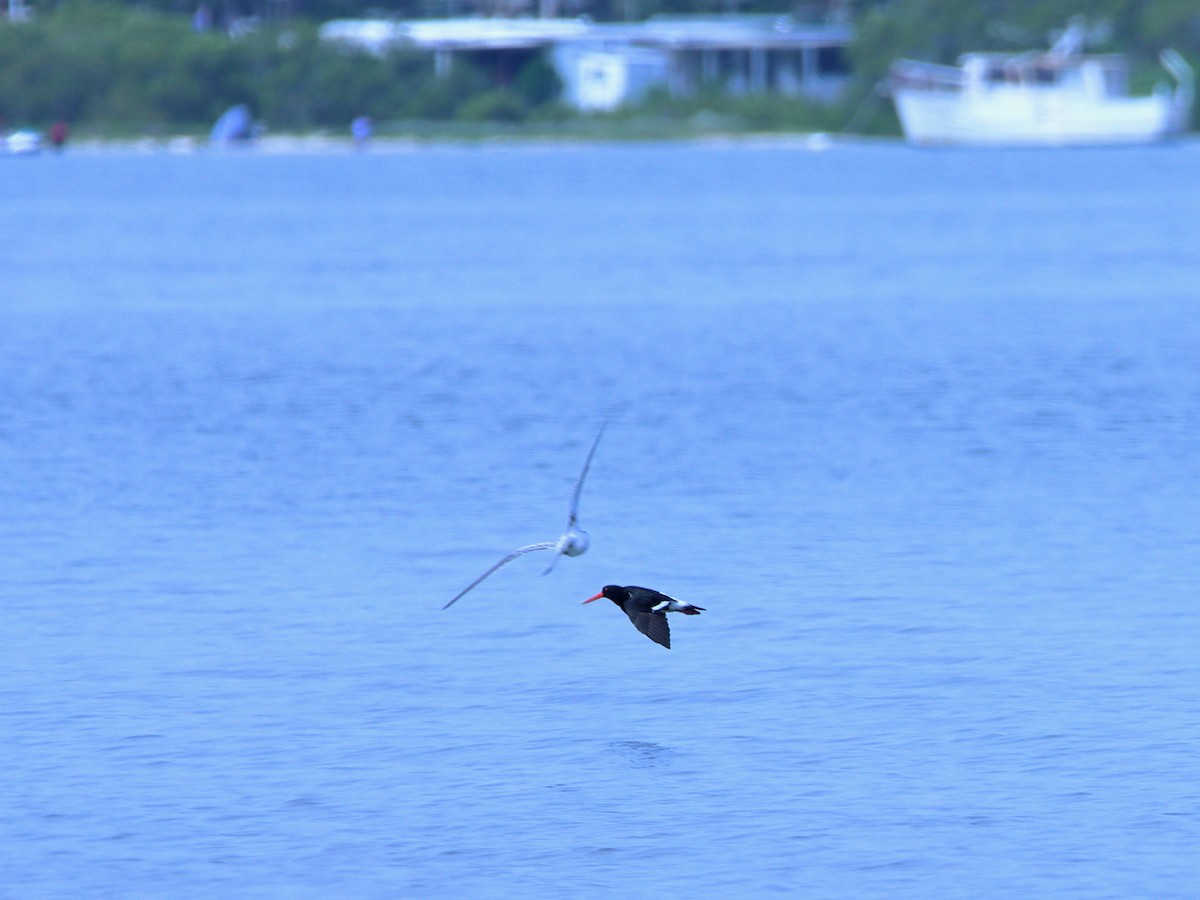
{"points": [[572, 542]]}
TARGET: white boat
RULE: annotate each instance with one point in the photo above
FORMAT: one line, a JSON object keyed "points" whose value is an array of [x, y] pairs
{"points": [[21, 143], [1063, 97]]}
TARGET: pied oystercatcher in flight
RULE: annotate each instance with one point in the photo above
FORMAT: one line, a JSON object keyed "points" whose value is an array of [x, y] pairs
{"points": [[572, 542], [647, 609]]}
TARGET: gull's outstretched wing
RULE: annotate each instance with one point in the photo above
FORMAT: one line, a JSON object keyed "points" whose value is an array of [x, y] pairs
{"points": [[587, 463], [545, 545], [573, 541]]}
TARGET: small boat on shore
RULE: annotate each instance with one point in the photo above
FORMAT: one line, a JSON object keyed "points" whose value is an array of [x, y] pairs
{"points": [[20, 143], [1062, 97]]}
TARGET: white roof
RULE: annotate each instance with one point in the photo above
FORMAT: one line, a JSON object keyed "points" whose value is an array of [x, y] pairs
{"points": [[491, 32], [500, 33], [453, 34]]}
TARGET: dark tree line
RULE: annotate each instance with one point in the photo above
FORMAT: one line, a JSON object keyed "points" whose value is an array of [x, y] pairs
{"points": [[941, 30], [146, 66], [141, 70]]}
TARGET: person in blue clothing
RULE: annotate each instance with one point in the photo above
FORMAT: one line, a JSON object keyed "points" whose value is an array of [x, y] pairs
{"points": [[360, 130]]}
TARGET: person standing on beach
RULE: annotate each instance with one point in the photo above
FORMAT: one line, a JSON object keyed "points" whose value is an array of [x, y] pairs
{"points": [[360, 130], [59, 132]]}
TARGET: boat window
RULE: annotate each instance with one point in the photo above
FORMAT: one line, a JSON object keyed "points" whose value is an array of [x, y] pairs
{"points": [[1045, 75]]}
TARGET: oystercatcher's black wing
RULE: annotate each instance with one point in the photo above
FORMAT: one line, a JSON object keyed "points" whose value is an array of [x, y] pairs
{"points": [[653, 625]]}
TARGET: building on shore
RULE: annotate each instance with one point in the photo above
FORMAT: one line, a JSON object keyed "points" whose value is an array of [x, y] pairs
{"points": [[603, 66]]}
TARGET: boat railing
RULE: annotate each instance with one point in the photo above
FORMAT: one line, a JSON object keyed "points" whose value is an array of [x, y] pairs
{"points": [[908, 73]]}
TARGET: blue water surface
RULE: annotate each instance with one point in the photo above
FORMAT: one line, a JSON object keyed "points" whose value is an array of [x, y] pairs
{"points": [[921, 431]]}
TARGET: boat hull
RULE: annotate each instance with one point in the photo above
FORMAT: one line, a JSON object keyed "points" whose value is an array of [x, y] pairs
{"points": [[1026, 118]]}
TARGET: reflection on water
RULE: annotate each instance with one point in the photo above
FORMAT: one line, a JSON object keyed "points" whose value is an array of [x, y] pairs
{"points": [[644, 754]]}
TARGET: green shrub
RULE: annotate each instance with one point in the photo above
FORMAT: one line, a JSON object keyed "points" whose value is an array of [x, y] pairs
{"points": [[497, 105], [537, 82], [440, 98]]}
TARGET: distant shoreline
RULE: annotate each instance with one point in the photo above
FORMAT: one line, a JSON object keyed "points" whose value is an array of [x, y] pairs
{"points": [[318, 144], [322, 145]]}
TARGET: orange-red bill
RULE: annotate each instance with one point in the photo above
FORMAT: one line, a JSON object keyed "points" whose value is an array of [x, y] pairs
{"points": [[590, 599]]}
